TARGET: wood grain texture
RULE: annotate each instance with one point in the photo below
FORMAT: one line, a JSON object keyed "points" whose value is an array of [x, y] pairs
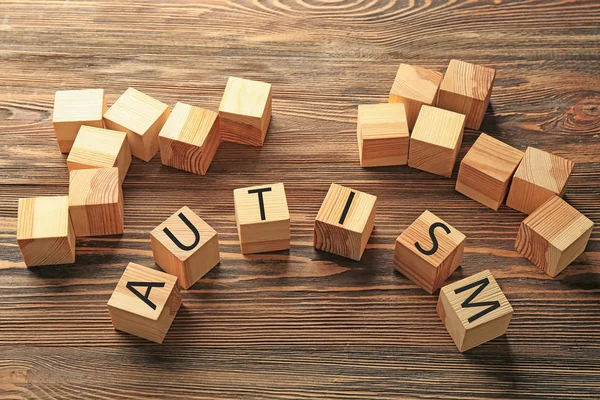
{"points": [[302, 323]]}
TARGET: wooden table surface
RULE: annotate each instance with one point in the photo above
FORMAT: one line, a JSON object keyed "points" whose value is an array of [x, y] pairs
{"points": [[303, 323]]}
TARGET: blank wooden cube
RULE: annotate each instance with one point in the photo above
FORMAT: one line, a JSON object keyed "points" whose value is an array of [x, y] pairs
{"points": [[145, 302], [345, 222], [474, 310], [74, 108], [141, 117], [262, 218], [382, 134], [100, 148], [435, 140], [415, 86], [554, 235], [185, 246], [96, 202], [45, 232], [190, 138], [466, 89], [429, 251], [539, 177], [486, 171], [245, 111]]}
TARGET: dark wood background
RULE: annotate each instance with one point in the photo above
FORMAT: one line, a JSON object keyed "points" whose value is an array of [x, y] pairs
{"points": [[298, 324]]}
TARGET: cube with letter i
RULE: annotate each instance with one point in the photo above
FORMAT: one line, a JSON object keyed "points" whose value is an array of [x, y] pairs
{"points": [[145, 302], [429, 251], [345, 222], [262, 218], [474, 310], [185, 246]]}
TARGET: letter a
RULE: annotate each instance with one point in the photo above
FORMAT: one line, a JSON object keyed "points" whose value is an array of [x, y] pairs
{"points": [[144, 297]]}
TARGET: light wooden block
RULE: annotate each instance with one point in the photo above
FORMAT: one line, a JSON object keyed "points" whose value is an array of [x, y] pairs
{"points": [[74, 108], [429, 251], [382, 134], [100, 148], [96, 202], [190, 138], [262, 218], [435, 140], [466, 89], [474, 310], [145, 302], [185, 246], [486, 171], [539, 177], [415, 86], [345, 222], [141, 117], [44, 231], [553, 236], [245, 111]]}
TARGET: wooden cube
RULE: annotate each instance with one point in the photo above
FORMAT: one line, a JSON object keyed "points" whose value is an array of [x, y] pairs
{"points": [[474, 310], [554, 235], [141, 117], [415, 86], [185, 246], [435, 140], [486, 171], [100, 148], [382, 134], [74, 108], [245, 111], [429, 251], [466, 89], [96, 202], [262, 218], [145, 302], [345, 222], [190, 138], [45, 232], [539, 177]]}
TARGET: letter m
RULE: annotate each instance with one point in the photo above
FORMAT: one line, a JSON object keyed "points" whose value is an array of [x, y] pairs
{"points": [[468, 303]]}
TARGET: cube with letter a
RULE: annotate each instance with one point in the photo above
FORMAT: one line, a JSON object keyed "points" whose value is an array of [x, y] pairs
{"points": [[145, 302], [415, 86], [74, 108], [466, 89], [474, 310], [345, 222], [141, 117], [262, 218], [245, 111], [185, 246], [429, 251]]}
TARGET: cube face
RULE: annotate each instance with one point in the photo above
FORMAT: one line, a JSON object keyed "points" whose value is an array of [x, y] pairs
{"points": [[245, 111], [189, 139], [415, 86], [145, 302], [382, 134], [486, 171], [466, 89], [553, 235], [44, 231], [474, 310], [96, 202], [435, 140], [74, 108], [539, 177], [185, 246], [141, 117], [429, 251], [262, 218], [100, 148], [345, 222]]}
